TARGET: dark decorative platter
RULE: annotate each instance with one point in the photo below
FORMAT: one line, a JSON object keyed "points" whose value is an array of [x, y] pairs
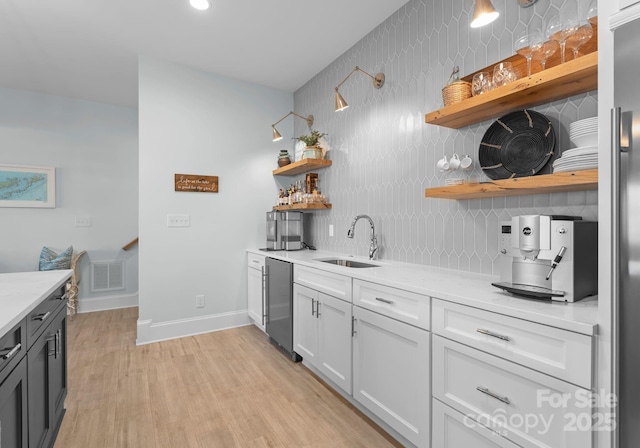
{"points": [[518, 144]]}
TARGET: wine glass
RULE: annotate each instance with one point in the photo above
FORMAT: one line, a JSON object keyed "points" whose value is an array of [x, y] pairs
{"points": [[545, 51], [559, 30], [583, 33], [525, 45], [592, 12]]}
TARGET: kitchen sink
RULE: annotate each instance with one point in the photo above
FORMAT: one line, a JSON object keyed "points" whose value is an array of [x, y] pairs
{"points": [[347, 263]]}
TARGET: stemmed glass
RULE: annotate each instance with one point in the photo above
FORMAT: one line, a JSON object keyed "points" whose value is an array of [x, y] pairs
{"points": [[559, 31], [592, 12], [526, 44], [545, 51], [583, 33]]}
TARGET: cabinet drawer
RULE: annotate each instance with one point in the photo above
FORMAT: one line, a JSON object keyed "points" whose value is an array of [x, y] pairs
{"points": [[40, 317], [255, 261], [13, 347], [402, 305], [451, 429], [527, 407], [335, 285], [560, 353]]}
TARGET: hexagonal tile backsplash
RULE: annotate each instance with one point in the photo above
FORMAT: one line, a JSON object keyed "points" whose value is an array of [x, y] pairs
{"points": [[384, 155]]}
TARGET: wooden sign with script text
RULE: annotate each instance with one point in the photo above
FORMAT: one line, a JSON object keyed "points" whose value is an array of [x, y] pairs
{"points": [[196, 183]]}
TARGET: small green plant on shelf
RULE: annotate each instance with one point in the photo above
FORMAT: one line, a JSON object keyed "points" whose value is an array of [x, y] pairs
{"points": [[311, 139]]}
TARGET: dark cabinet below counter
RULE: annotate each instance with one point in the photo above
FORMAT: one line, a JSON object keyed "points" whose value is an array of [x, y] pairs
{"points": [[13, 408], [33, 382]]}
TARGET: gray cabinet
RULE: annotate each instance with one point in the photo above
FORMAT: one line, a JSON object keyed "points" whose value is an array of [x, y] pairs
{"points": [[47, 380], [13, 407]]}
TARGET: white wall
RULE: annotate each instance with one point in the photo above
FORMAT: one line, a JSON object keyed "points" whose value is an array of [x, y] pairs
{"points": [[193, 122], [94, 148]]}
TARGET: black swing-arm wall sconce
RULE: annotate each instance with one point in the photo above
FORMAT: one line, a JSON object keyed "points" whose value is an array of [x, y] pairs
{"points": [[378, 81], [276, 134]]}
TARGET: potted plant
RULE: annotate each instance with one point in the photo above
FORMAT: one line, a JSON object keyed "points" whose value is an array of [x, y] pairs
{"points": [[314, 147]]}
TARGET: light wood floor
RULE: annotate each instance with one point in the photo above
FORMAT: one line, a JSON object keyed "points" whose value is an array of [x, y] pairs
{"points": [[225, 389]]}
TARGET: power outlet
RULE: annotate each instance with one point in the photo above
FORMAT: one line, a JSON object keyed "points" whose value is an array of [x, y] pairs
{"points": [[84, 221], [330, 229], [200, 301], [178, 221]]}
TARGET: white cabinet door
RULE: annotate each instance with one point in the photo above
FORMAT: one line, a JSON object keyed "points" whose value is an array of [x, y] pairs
{"points": [[255, 296], [305, 324], [334, 340], [391, 373]]}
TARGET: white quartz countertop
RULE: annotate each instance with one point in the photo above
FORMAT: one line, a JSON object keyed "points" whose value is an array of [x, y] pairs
{"points": [[455, 286], [21, 292]]}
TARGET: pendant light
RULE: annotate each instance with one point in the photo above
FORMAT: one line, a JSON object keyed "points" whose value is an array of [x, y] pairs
{"points": [[200, 5], [483, 14]]}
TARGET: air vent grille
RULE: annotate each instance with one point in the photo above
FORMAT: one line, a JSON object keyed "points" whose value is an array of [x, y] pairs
{"points": [[107, 276]]}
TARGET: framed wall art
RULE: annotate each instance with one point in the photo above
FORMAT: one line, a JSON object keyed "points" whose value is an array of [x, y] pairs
{"points": [[27, 186]]}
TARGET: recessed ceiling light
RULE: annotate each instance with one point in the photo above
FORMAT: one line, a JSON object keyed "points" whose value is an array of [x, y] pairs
{"points": [[201, 5]]}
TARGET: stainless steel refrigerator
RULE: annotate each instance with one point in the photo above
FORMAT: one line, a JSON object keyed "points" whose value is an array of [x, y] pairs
{"points": [[626, 225]]}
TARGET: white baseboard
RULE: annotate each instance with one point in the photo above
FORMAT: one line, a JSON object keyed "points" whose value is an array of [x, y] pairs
{"points": [[149, 331], [107, 303]]}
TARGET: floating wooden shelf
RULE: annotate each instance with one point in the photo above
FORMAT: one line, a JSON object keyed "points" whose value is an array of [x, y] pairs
{"points": [[562, 81], [301, 166], [312, 206], [545, 183]]}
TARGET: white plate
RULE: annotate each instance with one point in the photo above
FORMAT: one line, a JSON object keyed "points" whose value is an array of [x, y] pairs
{"points": [[580, 151], [589, 161], [586, 122], [577, 164], [565, 160], [573, 159], [580, 134], [584, 130], [575, 168], [578, 124], [585, 140]]}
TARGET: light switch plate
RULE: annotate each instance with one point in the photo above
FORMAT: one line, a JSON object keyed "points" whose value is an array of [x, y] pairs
{"points": [[83, 221], [178, 221]]}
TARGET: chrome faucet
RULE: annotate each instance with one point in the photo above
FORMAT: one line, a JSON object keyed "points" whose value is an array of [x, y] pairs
{"points": [[373, 248]]}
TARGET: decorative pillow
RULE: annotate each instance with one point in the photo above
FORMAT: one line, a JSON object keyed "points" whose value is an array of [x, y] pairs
{"points": [[50, 261]]}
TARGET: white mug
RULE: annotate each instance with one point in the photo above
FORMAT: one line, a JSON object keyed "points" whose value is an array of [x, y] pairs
{"points": [[454, 163], [466, 163], [443, 164]]}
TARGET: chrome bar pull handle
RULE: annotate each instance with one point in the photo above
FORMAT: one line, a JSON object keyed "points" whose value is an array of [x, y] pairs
{"points": [[317, 309], [387, 301], [262, 284], [41, 317], [266, 296], [493, 335], [313, 304], [57, 344], [52, 352], [12, 352], [63, 297], [616, 228], [486, 391], [353, 326]]}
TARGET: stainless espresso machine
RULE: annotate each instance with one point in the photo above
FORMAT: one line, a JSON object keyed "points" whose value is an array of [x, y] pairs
{"points": [[285, 230], [549, 257]]}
